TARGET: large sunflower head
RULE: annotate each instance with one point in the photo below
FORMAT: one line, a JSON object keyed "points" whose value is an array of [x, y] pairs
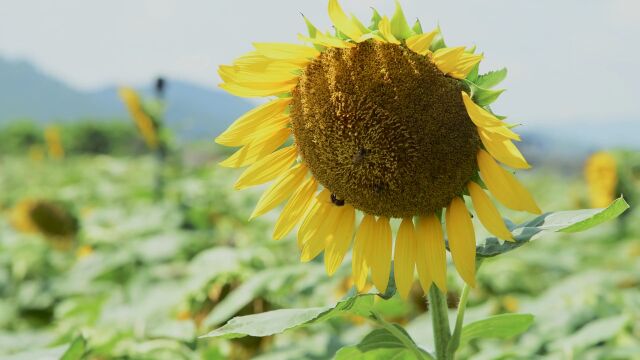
{"points": [[385, 121]]}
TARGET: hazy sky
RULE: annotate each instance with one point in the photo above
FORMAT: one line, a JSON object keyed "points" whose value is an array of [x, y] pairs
{"points": [[569, 60]]}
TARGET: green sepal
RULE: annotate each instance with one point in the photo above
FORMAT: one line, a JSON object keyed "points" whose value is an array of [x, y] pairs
{"points": [[473, 74], [471, 50], [492, 78], [438, 42], [375, 19], [399, 25], [417, 27], [311, 29], [360, 25], [482, 96]]}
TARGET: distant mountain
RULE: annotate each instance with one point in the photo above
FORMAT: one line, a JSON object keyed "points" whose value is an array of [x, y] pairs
{"points": [[194, 111]]}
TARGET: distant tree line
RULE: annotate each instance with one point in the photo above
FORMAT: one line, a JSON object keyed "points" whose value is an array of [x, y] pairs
{"points": [[86, 136]]}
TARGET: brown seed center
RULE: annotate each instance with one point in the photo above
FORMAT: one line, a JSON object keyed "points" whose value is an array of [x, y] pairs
{"points": [[384, 130]]}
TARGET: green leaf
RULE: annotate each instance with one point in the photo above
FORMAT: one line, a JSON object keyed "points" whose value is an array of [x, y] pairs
{"points": [[375, 19], [76, 350], [277, 321], [482, 96], [390, 342], [246, 293], [399, 25], [492, 78], [560, 221], [473, 74], [417, 27], [501, 326]]}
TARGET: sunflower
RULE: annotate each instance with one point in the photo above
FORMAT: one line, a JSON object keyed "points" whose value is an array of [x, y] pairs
{"points": [[601, 174], [384, 121], [145, 124], [50, 219], [54, 142]]}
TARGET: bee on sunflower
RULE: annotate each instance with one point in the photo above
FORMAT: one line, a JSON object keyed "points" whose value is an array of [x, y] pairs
{"points": [[386, 121]]}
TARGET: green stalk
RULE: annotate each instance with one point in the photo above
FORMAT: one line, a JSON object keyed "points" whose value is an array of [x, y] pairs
{"points": [[455, 338], [440, 320]]}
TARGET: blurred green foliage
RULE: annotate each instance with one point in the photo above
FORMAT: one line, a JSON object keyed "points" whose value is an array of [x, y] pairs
{"points": [[145, 280], [87, 136]]}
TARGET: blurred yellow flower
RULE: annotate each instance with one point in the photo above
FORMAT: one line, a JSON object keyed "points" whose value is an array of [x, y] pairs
{"points": [[601, 174], [46, 218], [54, 143], [143, 121], [382, 121]]}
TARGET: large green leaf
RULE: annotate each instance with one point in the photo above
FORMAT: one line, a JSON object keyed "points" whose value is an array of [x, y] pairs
{"points": [[277, 321], [499, 326], [560, 221], [248, 291]]}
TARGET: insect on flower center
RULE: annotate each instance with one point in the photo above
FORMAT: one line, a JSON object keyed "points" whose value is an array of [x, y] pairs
{"points": [[384, 130]]}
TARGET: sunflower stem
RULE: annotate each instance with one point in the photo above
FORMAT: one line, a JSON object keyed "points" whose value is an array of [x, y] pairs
{"points": [[440, 320], [457, 331]]}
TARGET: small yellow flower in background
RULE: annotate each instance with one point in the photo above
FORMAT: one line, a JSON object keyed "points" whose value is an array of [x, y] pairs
{"points": [[383, 122], [143, 121], [54, 142], [84, 251], [46, 218], [36, 153], [601, 174]]}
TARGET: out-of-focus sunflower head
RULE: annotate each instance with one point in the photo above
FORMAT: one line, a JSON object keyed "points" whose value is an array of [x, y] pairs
{"points": [[143, 121], [54, 142], [51, 220], [601, 174]]}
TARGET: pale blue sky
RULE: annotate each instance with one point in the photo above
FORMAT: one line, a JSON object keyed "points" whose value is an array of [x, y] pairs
{"points": [[569, 60]]}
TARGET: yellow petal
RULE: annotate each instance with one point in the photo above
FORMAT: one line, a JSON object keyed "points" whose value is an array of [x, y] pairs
{"points": [[446, 59], [503, 150], [420, 43], [316, 236], [285, 51], [378, 253], [504, 186], [295, 208], [487, 212], [258, 89], [280, 190], [255, 62], [339, 242], [326, 41], [431, 253], [317, 214], [342, 22], [384, 26], [404, 257], [257, 149], [270, 74], [359, 264], [363, 29], [241, 130], [245, 135], [267, 168], [465, 64], [462, 240]]}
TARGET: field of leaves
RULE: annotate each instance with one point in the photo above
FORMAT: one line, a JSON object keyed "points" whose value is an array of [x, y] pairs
{"points": [[145, 279]]}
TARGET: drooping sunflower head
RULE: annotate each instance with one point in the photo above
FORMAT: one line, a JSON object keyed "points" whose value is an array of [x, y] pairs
{"points": [[601, 174], [385, 120], [144, 122], [52, 220]]}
